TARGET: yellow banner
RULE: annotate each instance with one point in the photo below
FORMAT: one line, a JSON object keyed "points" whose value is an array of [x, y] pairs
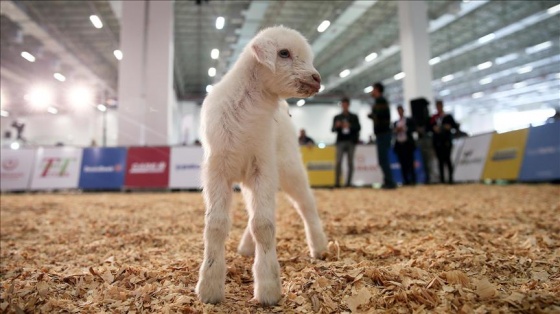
{"points": [[320, 164], [505, 155]]}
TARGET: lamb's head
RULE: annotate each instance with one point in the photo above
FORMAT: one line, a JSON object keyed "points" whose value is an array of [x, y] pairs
{"points": [[286, 62]]}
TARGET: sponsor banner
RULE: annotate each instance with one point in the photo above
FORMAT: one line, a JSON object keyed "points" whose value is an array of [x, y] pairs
{"points": [[15, 169], [456, 151], [185, 167], [366, 167], [56, 168], [103, 168], [505, 155], [396, 167], [542, 154], [319, 163], [471, 158], [147, 167]]}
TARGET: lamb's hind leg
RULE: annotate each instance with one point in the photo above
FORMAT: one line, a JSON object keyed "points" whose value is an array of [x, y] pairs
{"points": [[247, 245]]}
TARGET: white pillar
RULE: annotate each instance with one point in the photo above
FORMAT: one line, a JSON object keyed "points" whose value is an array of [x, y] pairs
{"points": [[146, 96], [415, 51]]}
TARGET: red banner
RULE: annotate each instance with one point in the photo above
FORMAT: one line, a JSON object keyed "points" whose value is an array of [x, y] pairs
{"points": [[147, 167]]}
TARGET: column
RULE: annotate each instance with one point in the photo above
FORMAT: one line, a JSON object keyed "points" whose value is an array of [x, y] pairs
{"points": [[415, 51]]}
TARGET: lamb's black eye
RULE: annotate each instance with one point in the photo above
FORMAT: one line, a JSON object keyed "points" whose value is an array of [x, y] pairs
{"points": [[284, 53]]}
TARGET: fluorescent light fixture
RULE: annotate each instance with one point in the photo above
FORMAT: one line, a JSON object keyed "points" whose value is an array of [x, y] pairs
{"points": [[344, 73], [368, 89], [525, 69], [553, 10], [215, 53], [39, 97], [59, 77], [52, 110], [220, 22], [519, 85], [484, 65], [477, 95], [371, 57], [80, 95], [96, 21], [208, 88], [300, 102], [487, 38], [118, 54], [506, 58], [322, 88], [447, 78], [445, 92], [539, 47], [399, 76], [435, 60], [323, 26], [4, 113], [27, 56], [486, 80], [558, 76], [212, 72], [14, 145], [322, 145], [101, 107]]}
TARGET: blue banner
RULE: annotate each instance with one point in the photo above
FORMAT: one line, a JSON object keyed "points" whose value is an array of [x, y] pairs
{"points": [[396, 167], [541, 161], [103, 168]]}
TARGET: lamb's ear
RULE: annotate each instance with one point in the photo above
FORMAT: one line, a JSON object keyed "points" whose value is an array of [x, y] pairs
{"points": [[264, 51]]}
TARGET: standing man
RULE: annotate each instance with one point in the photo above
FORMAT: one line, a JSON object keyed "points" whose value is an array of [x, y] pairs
{"points": [[443, 125], [347, 128], [405, 146], [381, 116]]}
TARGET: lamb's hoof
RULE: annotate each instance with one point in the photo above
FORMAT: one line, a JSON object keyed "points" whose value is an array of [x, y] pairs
{"points": [[210, 292], [268, 293], [320, 254]]}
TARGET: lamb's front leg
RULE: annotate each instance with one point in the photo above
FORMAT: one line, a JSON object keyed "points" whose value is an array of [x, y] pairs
{"points": [[212, 276], [260, 196]]}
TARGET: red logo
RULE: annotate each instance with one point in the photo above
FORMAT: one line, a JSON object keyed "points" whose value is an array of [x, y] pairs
{"points": [[10, 164]]}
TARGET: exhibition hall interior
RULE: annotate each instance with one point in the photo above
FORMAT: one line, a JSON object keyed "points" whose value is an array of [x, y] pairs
{"points": [[428, 148]]}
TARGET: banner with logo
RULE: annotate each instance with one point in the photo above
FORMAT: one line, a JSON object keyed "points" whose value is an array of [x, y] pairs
{"points": [[185, 167], [396, 167], [147, 167], [319, 163], [16, 167], [542, 154], [56, 168], [471, 158], [366, 167], [103, 168], [505, 155]]}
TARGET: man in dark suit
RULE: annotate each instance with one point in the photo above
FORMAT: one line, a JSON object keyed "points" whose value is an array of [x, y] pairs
{"points": [[381, 116], [405, 146], [347, 128], [443, 126]]}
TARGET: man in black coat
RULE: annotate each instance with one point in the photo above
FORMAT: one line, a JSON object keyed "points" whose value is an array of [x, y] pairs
{"points": [[347, 128], [443, 126], [405, 146]]}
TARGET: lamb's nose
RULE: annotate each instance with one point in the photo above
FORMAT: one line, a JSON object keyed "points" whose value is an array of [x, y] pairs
{"points": [[316, 78]]}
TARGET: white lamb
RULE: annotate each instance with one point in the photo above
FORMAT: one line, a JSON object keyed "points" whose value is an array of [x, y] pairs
{"points": [[248, 138]]}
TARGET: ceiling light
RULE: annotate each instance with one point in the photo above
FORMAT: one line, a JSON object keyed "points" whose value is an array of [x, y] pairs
{"points": [[321, 145], [553, 10], [519, 85], [4, 113], [486, 80], [344, 73], [368, 89], [484, 65], [220, 22], [487, 38], [80, 95], [371, 57], [39, 97], [399, 76], [59, 77], [52, 110], [14, 145], [212, 72], [445, 92], [96, 21], [215, 54], [477, 95], [447, 78], [301, 102], [434, 60], [118, 54], [322, 88], [539, 47], [506, 58], [101, 108], [27, 56], [525, 69], [208, 88], [323, 26]]}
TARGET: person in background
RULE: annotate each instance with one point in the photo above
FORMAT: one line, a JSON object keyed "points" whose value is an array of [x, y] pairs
{"points": [[347, 128], [304, 139], [443, 126], [381, 116], [405, 146]]}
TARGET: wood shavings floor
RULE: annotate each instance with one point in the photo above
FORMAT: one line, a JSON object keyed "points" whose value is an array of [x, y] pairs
{"points": [[463, 248]]}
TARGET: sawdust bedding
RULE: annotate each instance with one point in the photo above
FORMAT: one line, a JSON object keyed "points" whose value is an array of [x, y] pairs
{"points": [[469, 249]]}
